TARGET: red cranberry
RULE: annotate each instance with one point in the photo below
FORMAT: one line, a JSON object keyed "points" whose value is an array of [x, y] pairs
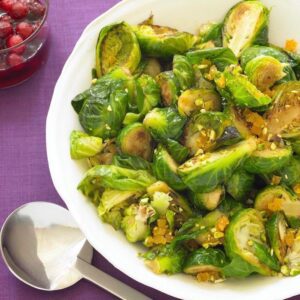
{"points": [[14, 59], [19, 10], [5, 29], [37, 9], [6, 18], [15, 40], [7, 5], [24, 29]]}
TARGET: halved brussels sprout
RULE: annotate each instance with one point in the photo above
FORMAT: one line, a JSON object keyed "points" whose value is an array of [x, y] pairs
{"points": [[211, 32], [118, 46], [264, 72], [279, 198], [268, 160], [148, 94], [284, 116], [205, 260], [276, 228], [179, 152], [204, 173], [159, 41], [135, 223], [208, 201], [165, 259], [240, 90], [292, 258], [131, 162], [164, 123], [240, 184], [152, 67], [134, 139], [207, 131], [198, 99], [289, 174], [244, 25], [221, 57], [200, 81], [82, 145], [106, 156], [165, 168], [245, 238], [169, 86], [184, 72]]}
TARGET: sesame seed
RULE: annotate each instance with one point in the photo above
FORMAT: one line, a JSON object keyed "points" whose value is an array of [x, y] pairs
{"points": [[273, 146], [109, 108], [265, 130], [203, 110]]}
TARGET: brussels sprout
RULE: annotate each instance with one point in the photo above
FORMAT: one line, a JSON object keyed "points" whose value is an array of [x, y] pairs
{"points": [[165, 259], [164, 123], [135, 223], [268, 160], [240, 184], [117, 45], [131, 118], [109, 176], [244, 25], [83, 145], [296, 145], [148, 94], [279, 198], [289, 174], [197, 99], [230, 206], [264, 72], [165, 168], [152, 67], [131, 162], [221, 57], [276, 228], [211, 32], [106, 156], [169, 86], [284, 116], [208, 201], [208, 131], [245, 238], [161, 202], [177, 151], [184, 72], [134, 139], [205, 260], [200, 81], [104, 107], [204, 173], [241, 91], [158, 41], [292, 258]]}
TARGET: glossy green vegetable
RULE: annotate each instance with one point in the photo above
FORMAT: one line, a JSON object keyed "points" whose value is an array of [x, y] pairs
{"points": [[148, 94], [268, 160], [131, 118], [241, 91], [264, 72], [245, 239], [152, 67], [296, 145], [240, 184], [205, 260], [279, 198], [117, 45], [164, 123], [135, 223], [276, 228], [208, 201], [134, 139], [165, 168], [169, 86], [230, 206], [184, 72], [284, 116], [131, 162], [197, 99], [179, 152], [246, 24], [204, 173], [83, 145], [159, 41], [211, 32], [221, 57], [165, 259], [292, 257], [209, 130], [289, 174]]}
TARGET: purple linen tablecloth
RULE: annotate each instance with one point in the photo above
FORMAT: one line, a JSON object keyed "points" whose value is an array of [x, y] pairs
{"points": [[24, 174]]}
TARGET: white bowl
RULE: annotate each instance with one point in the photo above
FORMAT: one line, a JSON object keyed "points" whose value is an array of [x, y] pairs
{"points": [[76, 76]]}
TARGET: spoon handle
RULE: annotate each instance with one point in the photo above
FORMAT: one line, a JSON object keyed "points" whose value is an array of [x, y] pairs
{"points": [[107, 282]]}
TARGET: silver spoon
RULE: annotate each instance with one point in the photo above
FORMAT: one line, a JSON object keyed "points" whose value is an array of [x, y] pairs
{"points": [[43, 247]]}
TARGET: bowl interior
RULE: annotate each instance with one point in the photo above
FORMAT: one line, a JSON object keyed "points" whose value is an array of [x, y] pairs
{"points": [[187, 15]]}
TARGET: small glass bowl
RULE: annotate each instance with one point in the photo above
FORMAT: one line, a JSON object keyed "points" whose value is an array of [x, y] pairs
{"points": [[32, 58]]}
